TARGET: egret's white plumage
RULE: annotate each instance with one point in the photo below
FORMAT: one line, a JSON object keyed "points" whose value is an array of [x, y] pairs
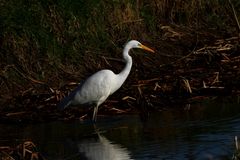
{"points": [[96, 88]]}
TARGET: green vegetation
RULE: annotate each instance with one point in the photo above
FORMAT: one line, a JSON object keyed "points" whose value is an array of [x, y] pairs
{"points": [[45, 42]]}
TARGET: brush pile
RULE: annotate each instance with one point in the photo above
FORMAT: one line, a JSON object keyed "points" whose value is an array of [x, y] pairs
{"points": [[208, 71], [24, 151], [212, 70]]}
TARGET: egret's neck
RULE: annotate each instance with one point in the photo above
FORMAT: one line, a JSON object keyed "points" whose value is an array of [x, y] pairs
{"points": [[128, 60], [122, 76]]}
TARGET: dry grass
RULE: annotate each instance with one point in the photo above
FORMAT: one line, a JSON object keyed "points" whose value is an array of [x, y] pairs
{"points": [[45, 43]]}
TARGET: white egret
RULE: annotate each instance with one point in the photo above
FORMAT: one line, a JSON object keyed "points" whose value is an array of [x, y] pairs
{"points": [[96, 88]]}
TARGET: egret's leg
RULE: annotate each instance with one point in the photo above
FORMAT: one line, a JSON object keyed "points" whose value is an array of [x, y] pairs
{"points": [[94, 118]]}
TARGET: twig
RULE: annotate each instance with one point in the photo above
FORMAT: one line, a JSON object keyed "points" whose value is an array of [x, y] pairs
{"points": [[187, 85], [128, 97], [148, 80], [216, 80], [106, 61], [235, 15], [14, 114], [82, 117], [7, 156], [156, 86], [140, 91], [27, 77], [118, 110]]}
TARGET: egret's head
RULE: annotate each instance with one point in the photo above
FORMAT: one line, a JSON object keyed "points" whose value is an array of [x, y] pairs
{"points": [[136, 44]]}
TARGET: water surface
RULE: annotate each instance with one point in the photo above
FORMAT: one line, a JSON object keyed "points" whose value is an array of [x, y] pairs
{"points": [[198, 131]]}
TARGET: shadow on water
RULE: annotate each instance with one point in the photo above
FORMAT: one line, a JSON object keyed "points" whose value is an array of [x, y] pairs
{"points": [[200, 131]]}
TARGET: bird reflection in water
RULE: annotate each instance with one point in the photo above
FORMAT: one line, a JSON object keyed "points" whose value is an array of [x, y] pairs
{"points": [[100, 148]]}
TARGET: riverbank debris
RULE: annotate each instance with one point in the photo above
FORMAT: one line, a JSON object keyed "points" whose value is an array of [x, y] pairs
{"points": [[211, 70], [25, 151]]}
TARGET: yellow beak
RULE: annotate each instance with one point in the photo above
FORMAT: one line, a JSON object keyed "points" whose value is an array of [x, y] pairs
{"points": [[147, 49]]}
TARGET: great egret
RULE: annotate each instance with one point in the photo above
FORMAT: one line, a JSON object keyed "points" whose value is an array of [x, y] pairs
{"points": [[96, 88]]}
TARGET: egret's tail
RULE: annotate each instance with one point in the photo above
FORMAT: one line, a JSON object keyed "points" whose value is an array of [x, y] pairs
{"points": [[68, 100], [65, 102]]}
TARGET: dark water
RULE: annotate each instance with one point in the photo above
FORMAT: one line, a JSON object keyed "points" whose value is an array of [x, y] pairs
{"points": [[201, 131]]}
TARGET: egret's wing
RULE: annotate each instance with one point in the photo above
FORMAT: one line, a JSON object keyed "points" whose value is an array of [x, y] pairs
{"points": [[68, 99]]}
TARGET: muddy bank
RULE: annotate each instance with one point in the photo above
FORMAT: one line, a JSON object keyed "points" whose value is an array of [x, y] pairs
{"points": [[196, 72]]}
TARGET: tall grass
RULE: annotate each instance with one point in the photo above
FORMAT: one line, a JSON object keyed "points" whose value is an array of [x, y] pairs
{"points": [[48, 40]]}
